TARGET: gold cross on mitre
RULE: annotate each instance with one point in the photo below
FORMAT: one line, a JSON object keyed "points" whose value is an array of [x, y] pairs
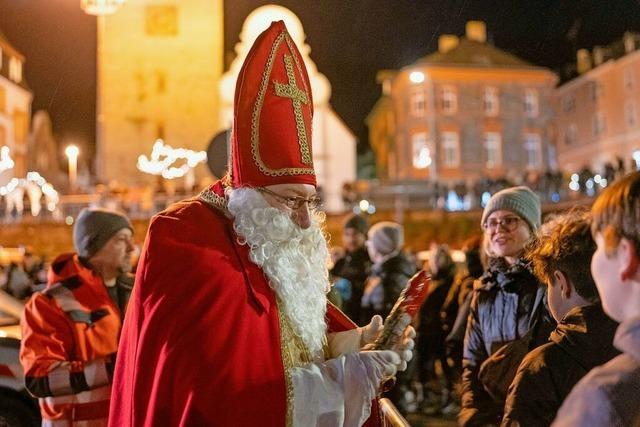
{"points": [[298, 97]]}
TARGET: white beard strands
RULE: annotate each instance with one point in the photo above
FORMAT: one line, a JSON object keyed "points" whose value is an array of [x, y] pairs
{"points": [[294, 260]]}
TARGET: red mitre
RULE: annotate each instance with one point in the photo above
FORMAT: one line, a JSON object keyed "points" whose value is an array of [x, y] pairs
{"points": [[273, 112]]}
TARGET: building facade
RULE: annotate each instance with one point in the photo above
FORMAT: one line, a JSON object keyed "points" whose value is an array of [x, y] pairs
{"points": [[15, 109], [598, 112], [159, 67], [467, 111]]}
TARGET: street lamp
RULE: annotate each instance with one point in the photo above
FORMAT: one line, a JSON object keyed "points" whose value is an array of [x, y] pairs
{"points": [[72, 152]]}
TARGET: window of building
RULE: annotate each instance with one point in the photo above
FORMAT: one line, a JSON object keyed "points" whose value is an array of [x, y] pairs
{"points": [[531, 102], [450, 149], [596, 91], [417, 102], [491, 101], [493, 149], [630, 114], [629, 80], [20, 125], [421, 152], [571, 134], [449, 100], [15, 70], [3, 100], [568, 103], [598, 124], [533, 151]]}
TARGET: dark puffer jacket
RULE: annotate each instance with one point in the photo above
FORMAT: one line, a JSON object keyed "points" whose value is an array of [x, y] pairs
{"points": [[580, 342], [502, 304], [393, 275]]}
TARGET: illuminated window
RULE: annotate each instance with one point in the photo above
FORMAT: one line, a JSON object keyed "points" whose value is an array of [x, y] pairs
{"points": [[449, 100], [598, 124], [630, 114], [20, 125], [490, 101], [3, 100], [15, 70], [421, 152], [531, 103], [450, 149], [493, 149], [532, 148], [571, 134], [417, 102]]}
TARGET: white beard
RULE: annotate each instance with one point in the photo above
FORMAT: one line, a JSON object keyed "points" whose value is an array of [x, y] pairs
{"points": [[294, 260]]}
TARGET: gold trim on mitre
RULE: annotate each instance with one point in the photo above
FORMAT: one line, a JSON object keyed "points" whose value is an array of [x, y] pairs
{"points": [[303, 141]]}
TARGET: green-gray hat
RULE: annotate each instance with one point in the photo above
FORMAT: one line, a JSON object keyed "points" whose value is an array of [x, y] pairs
{"points": [[519, 200], [94, 227]]}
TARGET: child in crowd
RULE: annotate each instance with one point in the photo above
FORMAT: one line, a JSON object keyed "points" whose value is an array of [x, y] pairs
{"points": [[610, 394], [583, 338]]}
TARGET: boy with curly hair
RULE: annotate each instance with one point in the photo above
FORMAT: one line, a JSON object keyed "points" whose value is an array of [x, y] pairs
{"points": [[583, 337], [610, 394]]}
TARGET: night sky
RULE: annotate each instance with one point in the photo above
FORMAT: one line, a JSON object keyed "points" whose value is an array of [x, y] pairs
{"points": [[350, 41]]}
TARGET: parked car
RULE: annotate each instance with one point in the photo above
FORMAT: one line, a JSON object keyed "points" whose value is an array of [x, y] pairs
{"points": [[17, 407]]}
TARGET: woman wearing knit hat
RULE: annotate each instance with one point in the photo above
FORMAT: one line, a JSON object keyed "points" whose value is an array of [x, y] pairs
{"points": [[507, 300]]}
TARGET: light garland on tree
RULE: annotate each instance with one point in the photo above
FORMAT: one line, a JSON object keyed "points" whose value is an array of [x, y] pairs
{"points": [[6, 162], [163, 156]]}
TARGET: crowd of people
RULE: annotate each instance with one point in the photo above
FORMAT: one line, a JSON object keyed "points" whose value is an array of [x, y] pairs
{"points": [[230, 320], [529, 329]]}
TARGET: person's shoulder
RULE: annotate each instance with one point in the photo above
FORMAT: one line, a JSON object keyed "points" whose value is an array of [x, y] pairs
{"points": [[187, 214]]}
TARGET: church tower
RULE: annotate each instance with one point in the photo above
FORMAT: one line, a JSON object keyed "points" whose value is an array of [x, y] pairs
{"points": [[159, 68]]}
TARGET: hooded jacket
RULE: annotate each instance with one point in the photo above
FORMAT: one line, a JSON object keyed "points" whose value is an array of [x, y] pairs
{"points": [[582, 340]]}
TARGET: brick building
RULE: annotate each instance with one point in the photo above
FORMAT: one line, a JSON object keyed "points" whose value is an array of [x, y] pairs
{"points": [[467, 111], [597, 116], [15, 108]]}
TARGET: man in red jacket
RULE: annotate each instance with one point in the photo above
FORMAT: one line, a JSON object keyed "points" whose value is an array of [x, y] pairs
{"points": [[228, 323], [70, 330]]}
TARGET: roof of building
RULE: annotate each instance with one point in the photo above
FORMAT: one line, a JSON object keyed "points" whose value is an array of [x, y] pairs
{"points": [[475, 54], [7, 50], [8, 47]]}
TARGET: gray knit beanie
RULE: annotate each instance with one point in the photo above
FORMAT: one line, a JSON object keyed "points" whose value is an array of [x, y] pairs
{"points": [[94, 227], [386, 237], [519, 200]]}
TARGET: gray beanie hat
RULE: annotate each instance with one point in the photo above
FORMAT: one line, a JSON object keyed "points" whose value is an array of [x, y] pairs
{"points": [[386, 237], [519, 200], [94, 227]]}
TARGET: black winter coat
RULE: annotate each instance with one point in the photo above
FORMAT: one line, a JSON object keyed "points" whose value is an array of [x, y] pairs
{"points": [[393, 274], [355, 267], [580, 342], [502, 303]]}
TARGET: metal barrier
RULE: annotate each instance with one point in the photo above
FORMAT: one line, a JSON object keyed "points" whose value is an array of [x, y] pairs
{"points": [[392, 417]]}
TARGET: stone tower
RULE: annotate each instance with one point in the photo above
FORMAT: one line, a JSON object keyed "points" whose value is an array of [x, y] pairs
{"points": [[159, 67]]}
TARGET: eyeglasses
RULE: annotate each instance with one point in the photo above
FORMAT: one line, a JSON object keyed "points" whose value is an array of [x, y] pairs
{"points": [[508, 223], [293, 202]]}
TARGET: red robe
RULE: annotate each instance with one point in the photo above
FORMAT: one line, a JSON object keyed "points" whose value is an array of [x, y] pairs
{"points": [[201, 338]]}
